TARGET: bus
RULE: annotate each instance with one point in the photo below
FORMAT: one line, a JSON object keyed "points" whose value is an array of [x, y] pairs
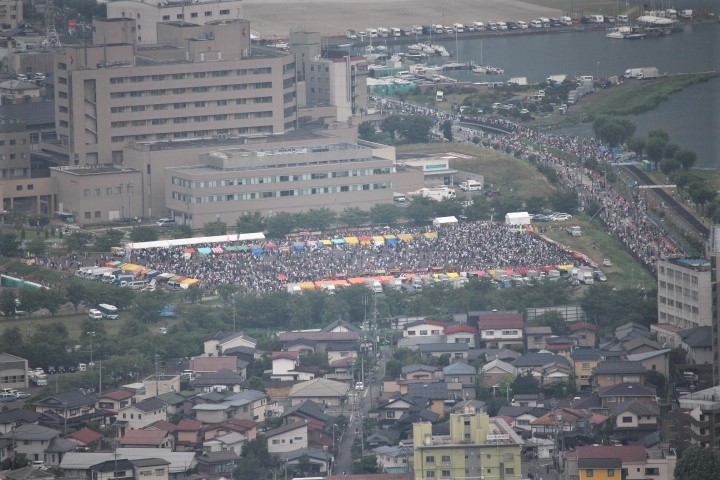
{"points": [[65, 217], [108, 311]]}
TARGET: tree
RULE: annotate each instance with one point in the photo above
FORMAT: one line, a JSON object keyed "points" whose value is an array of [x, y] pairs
{"points": [[366, 465], [318, 218], [7, 301], [563, 201], [250, 223], [421, 210], [110, 238], [215, 228], [143, 233], [9, 244], [36, 245], [655, 149], [281, 224], [182, 231], [701, 193], [653, 377], [554, 320], [636, 144], [661, 134], [367, 131], [671, 149], [613, 130], [384, 214], [353, 217], [698, 463], [446, 128], [525, 383], [669, 166], [147, 307], [687, 158]]}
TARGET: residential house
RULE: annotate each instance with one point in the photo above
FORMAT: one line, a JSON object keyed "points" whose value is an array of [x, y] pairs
{"points": [[307, 410], [667, 334], [86, 438], [28, 473], [625, 392], [434, 395], [147, 439], [630, 330], [461, 380], [233, 425], [249, 404], [225, 379], [476, 446], [456, 351], [151, 468], [69, 408], [607, 373], [340, 325], [339, 349], [320, 339], [141, 414], [319, 462], [528, 400], [413, 343], [112, 402], [535, 337], [584, 334], [653, 361], [205, 364], [217, 343], [319, 390], [79, 464], [394, 458], [217, 463], [284, 364], [468, 407], [188, 434], [630, 462], [641, 344], [229, 442], [546, 368], [569, 423], [121, 469], [246, 354], [584, 362], [154, 385], [33, 441], [461, 334], [176, 402], [494, 371], [11, 419], [489, 354], [633, 420], [419, 372], [697, 342], [500, 329], [13, 371], [559, 345], [521, 417], [301, 345], [287, 437], [395, 408], [424, 328]]}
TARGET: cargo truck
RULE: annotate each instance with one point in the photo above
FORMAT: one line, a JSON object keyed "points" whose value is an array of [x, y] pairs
{"points": [[642, 73], [574, 230]]}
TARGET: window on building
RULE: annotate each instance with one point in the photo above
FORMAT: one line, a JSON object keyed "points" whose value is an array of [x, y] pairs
{"points": [[429, 459], [445, 459], [224, 12], [588, 473], [611, 472], [446, 473], [166, 18]]}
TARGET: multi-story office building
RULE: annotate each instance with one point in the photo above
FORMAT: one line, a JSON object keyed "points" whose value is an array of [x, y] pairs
{"points": [[199, 81], [11, 14], [227, 183], [478, 447], [148, 13], [713, 253], [329, 79], [684, 293]]}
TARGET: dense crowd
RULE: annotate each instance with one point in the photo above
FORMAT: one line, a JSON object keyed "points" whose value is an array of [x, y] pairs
{"points": [[463, 247]]}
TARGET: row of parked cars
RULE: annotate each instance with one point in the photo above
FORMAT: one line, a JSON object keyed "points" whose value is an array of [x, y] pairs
{"points": [[553, 217], [10, 395]]}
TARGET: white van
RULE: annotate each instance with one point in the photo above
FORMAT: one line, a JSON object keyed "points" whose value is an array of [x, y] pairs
{"points": [[166, 222], [536, 24], [439, 96], [522, 25], [95, 314], [597, 19], [545, 21], [459, 28], [82, 367]]}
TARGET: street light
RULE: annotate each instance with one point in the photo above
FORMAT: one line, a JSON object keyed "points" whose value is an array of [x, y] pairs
{"points": [[92, 336]]}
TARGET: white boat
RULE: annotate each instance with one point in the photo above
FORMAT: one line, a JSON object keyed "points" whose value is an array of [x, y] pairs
{"points": [[487, 70], [440, 50], [455, 66]]}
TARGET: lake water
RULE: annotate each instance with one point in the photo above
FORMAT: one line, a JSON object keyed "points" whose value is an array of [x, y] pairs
{"points": [[691, 117]]}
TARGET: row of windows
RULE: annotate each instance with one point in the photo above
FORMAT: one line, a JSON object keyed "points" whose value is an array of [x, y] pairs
{"points": [[234, 197], [679, 275], [198, 104], [195, 75], [118, 190], [183, 91], [197, 119], [12, 379], [679, 305], [231, 182], [12, 156], [684, 291], [12, 141], [206, 14], [191, 134], [490, 333], [448, 474], [13, 172]]}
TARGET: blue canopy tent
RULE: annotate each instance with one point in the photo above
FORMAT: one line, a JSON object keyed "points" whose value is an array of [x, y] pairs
{"points": [[338, 241], [204, 251], [391, 241], [299, 247], [257, 251]]}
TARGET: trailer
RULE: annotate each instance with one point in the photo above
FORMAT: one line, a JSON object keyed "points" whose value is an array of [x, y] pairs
{"points": [[642, 73], [555, 79]]}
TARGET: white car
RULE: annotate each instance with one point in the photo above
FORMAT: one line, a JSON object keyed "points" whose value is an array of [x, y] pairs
{"points": [[560, 217], [607, 262]]}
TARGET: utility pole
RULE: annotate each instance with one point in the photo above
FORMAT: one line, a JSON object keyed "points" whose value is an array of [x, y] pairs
{"points": [[92, 336]]}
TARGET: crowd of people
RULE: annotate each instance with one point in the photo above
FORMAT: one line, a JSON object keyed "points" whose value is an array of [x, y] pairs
{"points": [[266, 266]]}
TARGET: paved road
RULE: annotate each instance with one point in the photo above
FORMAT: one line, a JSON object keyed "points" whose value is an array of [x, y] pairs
{"points": [[343, 456]]}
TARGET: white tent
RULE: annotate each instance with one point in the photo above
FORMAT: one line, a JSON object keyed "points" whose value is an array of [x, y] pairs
{"points": [[517, 218], [444, 221]]}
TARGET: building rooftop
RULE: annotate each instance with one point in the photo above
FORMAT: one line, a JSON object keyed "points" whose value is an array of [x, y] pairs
{"points": [[85, 170], [32, 113]]}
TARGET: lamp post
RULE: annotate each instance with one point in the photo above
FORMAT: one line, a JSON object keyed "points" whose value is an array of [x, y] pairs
{"points": [[92, 336], [129, 188]]}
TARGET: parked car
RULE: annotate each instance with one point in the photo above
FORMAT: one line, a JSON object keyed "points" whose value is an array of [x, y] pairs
{"points": [[22, 395], [560, 217], [599, 276], [61, 369], [51, 369], [540, 218], [71, 369], [607, 262]]}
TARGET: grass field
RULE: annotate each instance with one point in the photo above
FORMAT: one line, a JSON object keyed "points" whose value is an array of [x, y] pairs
{"points": [[499, 169]]}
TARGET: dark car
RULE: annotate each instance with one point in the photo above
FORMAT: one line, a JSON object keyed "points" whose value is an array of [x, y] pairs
{"points": [[61, 369], [51, 369], [512, 25], [71, 369], [493, 193]]}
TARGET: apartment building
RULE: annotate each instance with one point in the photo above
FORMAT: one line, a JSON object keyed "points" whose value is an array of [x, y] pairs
{"points": [[148, 13], [11, 14], [697, 420], [477, 447], [227, 183], [713, 252], [684, 292], [198, 81]]}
